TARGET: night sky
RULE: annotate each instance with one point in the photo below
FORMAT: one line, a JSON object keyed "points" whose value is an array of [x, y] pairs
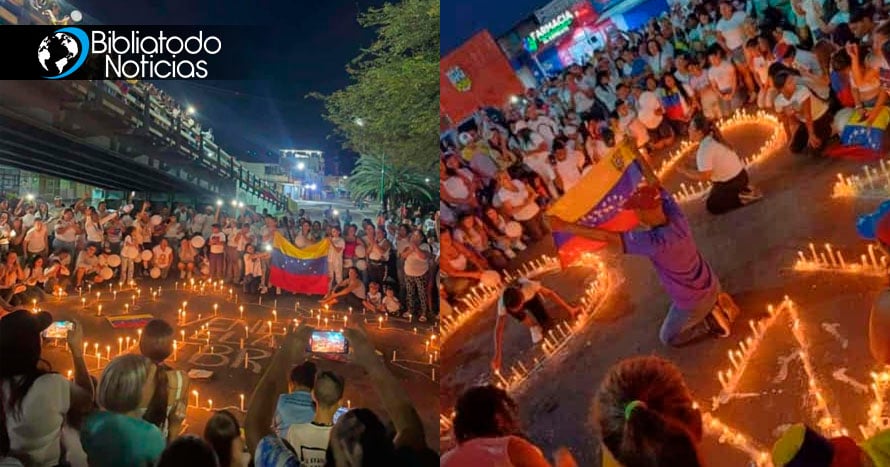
{"points": [[463, 18], [309, 47]]}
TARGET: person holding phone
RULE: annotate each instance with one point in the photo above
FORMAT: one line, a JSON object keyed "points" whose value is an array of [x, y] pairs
{"points": [[35, 401], [358, 437]]}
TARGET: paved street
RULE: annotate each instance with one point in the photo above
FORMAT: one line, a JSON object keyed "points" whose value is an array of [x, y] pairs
{"points": [[752, 250], [235, 369]]}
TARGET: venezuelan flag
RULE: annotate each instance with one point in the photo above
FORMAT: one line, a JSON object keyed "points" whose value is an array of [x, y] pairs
{"points": [[129, 321], [674, 106], [299, 270], [596, 201]]}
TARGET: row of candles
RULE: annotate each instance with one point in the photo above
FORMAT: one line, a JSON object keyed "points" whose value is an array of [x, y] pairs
{"points": [[877, 420], [480, 296], [741, 117], [726, 435], [739, 359], [856, 185], [561, 334], [834, 260]]}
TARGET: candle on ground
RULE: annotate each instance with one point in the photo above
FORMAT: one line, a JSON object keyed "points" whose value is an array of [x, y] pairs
{"points": [[139, 332], [241, 312], [275, 315], [120, 345], [242, 402], [380, 322], [100, 310], [195, 393]]}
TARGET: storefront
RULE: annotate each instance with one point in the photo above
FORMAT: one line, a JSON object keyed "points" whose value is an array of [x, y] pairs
{"points": [[558, 35]]}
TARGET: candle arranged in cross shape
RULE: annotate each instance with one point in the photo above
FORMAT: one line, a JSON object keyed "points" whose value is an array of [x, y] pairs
{"points": [[215, 308], [195, 393], [241, 312], [100, 310], [242, 402]]}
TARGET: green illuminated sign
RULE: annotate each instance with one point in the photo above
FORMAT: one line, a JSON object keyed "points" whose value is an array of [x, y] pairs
{"points": [[553, 29]]}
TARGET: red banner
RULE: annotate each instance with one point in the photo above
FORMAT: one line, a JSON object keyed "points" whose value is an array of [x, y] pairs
{"points": [[476, 74]]}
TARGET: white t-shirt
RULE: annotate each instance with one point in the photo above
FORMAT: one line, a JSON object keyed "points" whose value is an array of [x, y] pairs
{"points": [[36, 241], [94, 231], [456, 187], [310, 441], [163, 256], [544, 126], [817, 106], [569, 170], [807, 61], [415, 266], [221, 247], [722, 161], [649, 103], [391, 304], [252, 267], [38, 432], [525, 208], [582, 102], [69, 235], [334, 256], [732, 30], [722, 76]]}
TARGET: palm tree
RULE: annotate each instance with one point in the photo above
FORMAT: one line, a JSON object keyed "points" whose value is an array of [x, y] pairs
{"points": [[400, 183]]}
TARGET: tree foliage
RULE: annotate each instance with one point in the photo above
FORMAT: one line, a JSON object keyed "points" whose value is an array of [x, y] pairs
{"points": [[395, 87], [401, 183]]}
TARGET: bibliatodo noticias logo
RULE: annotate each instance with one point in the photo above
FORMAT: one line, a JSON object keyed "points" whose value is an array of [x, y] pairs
{"points": [[127, 52]]}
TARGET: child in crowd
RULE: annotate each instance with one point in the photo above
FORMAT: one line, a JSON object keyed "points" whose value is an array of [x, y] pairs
{"points": [[374, 300], [391, 303]]}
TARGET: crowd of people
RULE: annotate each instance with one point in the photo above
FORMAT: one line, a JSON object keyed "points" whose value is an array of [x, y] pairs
{"points": [[384, 265], [132, 415], [672, 79], [806, 61]]}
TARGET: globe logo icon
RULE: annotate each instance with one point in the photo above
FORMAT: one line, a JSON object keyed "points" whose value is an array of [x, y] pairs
{"points": [[57, 53]]}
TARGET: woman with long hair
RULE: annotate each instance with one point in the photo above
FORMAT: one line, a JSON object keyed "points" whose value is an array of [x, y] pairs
{"points": [[647, 417], [678, 106], [166, 410], [488, 432], [34, 400], [223, 433], [719, 164]]}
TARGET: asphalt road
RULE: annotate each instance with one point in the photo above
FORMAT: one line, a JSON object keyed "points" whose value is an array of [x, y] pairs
{"points": [[223, 354], [752, 250]]}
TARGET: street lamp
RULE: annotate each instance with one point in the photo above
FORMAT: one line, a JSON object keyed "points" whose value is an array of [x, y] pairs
{"points": [[359, 122], [427, 180], [301, 166], [234, 203], [190, 110]]}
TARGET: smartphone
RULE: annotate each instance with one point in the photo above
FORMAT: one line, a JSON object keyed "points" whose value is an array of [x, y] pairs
{"points": [[58, 330], [328, 342]]}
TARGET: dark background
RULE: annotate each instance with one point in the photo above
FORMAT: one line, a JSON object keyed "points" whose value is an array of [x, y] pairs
{"points": [[307, 46]]}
